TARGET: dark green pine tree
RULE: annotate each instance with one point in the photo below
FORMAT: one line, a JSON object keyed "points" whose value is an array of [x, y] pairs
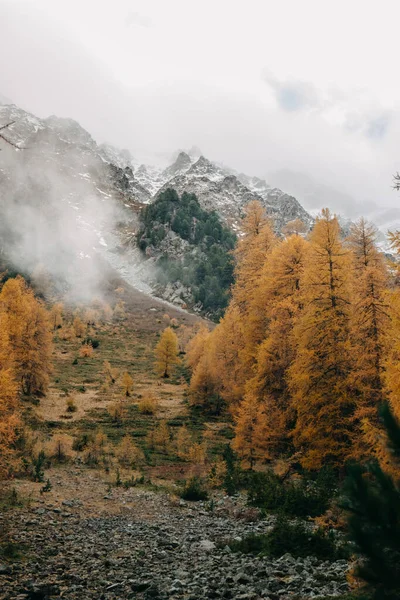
{"points": [[372, 499]]}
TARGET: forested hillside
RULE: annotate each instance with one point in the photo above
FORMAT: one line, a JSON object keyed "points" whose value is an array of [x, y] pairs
{"points": [[191, 247], [308, 345], [264, 443]]}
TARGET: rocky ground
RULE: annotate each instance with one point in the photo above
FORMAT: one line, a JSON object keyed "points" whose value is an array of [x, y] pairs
{"points": [[144, 544]]}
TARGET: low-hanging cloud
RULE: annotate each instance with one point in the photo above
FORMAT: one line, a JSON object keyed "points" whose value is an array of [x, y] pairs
{"points": [[155, 77], [52, 215]]}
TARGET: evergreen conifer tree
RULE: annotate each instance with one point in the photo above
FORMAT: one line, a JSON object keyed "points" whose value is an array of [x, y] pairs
{"points": [[372, 497]]}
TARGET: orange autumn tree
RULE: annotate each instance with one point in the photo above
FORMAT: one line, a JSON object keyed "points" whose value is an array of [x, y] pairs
{"points": [[29, 334], [251, 251], [127, 384], [237, 335], [392, 363], [370, 324], [9, 405], [282, 290], [251, 425], [251, 254], [229, 345], [166, 352], [319, 374], [196, 347], [205, 383]]}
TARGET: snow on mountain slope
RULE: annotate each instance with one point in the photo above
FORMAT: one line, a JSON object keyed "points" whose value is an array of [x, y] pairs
{"points": [[65, 199], [60, 202], [226, 193]]}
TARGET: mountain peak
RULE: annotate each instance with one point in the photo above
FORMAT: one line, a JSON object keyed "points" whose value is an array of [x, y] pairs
{"points": [[183, 160], [205, 168], [181, 164], [69, 130]]}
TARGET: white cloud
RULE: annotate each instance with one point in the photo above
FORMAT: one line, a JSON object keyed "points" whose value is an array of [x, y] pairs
{"points": [[155, 76]]}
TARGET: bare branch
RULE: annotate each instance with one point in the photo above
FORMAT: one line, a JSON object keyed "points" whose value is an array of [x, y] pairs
{"points": [[7, 125], [6, 139]]}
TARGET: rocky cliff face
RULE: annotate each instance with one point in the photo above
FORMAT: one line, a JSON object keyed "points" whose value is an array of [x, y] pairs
{"points": [[226, 192]]}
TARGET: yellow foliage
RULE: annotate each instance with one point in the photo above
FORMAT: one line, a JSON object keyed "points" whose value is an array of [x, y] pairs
{"points": [[216, 474], [119, 311], [127, 384], [117, 411], [160, 437], [128, 453], [198, 453], [110, 373], [370, 326], [79, 327], [295, 227], [318, 376], [183, 442], [59, 447], [251, 427], [71, 405], [148, 405], [56, 316], [97, 449], [166, 352], [196, 347], [28, 327], [66, 333], [86, 350]]}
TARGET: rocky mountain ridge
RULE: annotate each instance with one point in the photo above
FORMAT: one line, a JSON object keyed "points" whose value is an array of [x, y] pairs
{"points": [[218, 188], [65, 199], [225, 191]]}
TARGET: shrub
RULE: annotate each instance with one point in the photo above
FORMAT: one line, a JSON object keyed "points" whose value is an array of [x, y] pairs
{"points": [[194, 490], [94, 342], [128, 453], [81, 442], [97, 449], [59, 448], [304, 498], [117, 412], [71, 406], [148, 405], [38, 467], [86, 351], [293, 537], [47, 487]]}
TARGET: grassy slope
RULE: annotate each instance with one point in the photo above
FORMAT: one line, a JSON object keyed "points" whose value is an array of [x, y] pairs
{"points": [[129, 346]]}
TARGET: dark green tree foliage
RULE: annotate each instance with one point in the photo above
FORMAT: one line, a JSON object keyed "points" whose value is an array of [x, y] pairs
{"points": [[207, 267], [309, 497], [293, 536], [372, 498]]}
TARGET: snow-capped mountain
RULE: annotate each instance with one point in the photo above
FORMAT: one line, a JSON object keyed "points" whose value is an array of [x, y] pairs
{"points": [[228, 193], [65, 199]]}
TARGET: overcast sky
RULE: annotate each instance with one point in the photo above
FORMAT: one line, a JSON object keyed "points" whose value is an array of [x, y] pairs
{"points": [[308, 86]]}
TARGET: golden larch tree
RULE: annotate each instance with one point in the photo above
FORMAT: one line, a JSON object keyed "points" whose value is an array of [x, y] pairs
{"points": [[369, 324], [29, 333], [319, 373], [183, 442], [127, 384], [205, 384], [9, 405], [166, 352], [251, 252], [56, 316], [251, 424], [281, 290]]}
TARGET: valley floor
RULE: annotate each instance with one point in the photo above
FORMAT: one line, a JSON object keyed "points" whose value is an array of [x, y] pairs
{"points": [[86, 539], [82, 541]]}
